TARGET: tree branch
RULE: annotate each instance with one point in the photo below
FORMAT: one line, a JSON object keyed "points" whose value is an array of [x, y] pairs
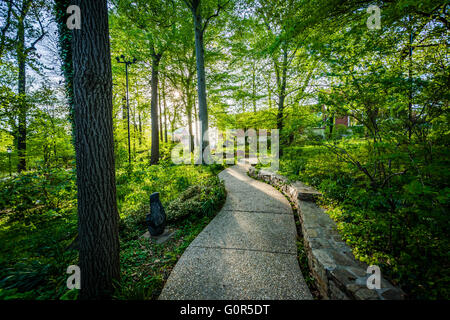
{"points": [[345, 156], [219, 7], [6, 27]]}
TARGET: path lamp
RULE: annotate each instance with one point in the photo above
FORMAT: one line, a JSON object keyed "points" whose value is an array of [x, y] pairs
{"points": [[127, 63], [9, 150]]}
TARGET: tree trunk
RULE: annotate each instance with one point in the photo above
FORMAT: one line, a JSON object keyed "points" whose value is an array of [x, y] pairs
{"points": [[189, 104], [124, 111], [410, 98], [189, 116], [172, 128], [140, 128], [21, 61], [282, 91], [97, 208], [165, 110], [154, 109], [201, 81], [135, 129], [194, 105], [161, 137], [172, 122], [254, 87], [270, 97]]}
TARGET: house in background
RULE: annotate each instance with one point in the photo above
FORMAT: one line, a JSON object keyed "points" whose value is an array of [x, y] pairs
{"points": [[345, 120], [329, 126]]}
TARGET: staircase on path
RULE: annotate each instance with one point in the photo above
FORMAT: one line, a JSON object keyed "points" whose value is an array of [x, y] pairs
{"points": [[248, 251]]}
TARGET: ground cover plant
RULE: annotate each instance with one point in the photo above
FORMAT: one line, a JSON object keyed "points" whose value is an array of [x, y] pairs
{"points": [[39, 226]]}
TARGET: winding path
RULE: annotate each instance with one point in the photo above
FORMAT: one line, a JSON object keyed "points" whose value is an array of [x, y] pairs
{"points": [[248, 251]]}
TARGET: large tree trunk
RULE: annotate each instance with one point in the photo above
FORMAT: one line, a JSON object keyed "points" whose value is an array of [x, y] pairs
{"points": [[201, 81], [154, 109], [97, 208]]}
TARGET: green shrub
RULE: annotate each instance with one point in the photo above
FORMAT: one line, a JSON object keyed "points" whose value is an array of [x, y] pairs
{"points": [[197, 200], [402, 226], [145, 265], [38, 222]]}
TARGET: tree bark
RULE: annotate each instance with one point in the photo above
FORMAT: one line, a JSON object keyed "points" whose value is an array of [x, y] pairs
{"points": [[97, 208], [154, 158], [201, 81]]}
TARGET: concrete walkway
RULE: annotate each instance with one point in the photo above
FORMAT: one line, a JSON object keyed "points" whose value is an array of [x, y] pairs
{"points": [[247, 251]]}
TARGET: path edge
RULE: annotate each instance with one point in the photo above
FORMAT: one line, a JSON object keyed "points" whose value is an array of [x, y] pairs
{"points": [[338, 275]]}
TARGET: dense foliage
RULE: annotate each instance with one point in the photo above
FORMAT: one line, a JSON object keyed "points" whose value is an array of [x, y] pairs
{"points": [[39, 225], [362, 112], [410, 243]]}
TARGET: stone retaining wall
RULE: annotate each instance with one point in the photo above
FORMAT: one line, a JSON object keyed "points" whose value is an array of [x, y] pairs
{"points": [[338, 274]]}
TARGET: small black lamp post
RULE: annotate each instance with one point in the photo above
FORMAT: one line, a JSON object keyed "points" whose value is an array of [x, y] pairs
{"points": [[127, 63], [9, 150]]}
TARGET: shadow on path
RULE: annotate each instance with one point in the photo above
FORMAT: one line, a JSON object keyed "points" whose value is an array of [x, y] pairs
{"points": [[248, 251]]}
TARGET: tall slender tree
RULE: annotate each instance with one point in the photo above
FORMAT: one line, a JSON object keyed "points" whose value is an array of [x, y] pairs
{"points": [[27, 37], [155, 19], [201, 9]]}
